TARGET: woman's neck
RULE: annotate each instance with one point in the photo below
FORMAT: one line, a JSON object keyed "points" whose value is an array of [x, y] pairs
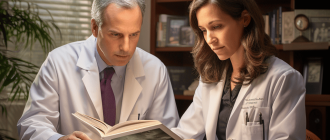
{"points": [[237, 61]]}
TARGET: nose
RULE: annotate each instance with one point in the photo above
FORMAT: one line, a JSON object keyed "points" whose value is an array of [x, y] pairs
{"points": [[125, 44], [210, 38]]}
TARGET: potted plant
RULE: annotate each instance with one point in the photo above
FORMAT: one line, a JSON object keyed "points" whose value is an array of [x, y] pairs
{"points": [[21, 25]]}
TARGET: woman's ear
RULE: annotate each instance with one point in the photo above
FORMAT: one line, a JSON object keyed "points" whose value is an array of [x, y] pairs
{"points": [[94, 27], [246, 18]]}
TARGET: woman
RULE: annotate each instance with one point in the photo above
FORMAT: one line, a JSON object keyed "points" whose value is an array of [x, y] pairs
{"points": [[241, 81]]}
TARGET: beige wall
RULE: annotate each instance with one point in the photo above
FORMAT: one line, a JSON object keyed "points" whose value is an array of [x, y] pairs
{"points": [[144, 41]]}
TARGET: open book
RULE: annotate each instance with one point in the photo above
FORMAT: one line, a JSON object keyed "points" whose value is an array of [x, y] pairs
{"points": [[136, 129]]}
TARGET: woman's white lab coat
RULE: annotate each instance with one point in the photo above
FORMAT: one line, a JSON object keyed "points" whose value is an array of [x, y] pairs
{"points": [[279, 94]]}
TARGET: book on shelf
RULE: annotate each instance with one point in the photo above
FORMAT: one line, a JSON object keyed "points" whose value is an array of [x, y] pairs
{"points": [[279, 29], [136, 129], [266, 19], [273, 25], [288, 27], [181, 78], [174, 31], [161, 30]]}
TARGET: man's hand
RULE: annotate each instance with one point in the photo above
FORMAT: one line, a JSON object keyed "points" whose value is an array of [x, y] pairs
{"points": [[76, 135]]}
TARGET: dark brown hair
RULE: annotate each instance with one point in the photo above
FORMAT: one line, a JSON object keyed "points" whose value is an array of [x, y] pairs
{"points": [[257, 44]]}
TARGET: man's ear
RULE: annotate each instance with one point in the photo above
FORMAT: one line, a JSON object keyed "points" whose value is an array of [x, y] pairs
{"points": [[95, 28], [246, 18]]}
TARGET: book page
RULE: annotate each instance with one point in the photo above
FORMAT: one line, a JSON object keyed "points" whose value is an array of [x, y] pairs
{"points": [[132, 125], [127, 123], [93, 122], [146, 132], [147, 135]]}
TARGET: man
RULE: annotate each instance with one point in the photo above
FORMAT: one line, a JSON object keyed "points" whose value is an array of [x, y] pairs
{"points": [[105, 77]]}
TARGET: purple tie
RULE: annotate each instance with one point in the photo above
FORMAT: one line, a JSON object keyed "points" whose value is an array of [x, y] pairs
{"points": [[108, 98]]}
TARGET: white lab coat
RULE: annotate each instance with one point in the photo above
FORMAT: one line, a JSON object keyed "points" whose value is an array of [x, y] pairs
{"points": [[279, 95], [68, 81]]}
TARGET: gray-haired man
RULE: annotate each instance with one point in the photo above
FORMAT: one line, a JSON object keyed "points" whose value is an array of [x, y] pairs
{"points": [[105, 77]]}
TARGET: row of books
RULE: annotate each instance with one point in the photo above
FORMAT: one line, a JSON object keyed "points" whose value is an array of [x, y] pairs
{"points": [[279, 25], [273, 25], [174, 31]]}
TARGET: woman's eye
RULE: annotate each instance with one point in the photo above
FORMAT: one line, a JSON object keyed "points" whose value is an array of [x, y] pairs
{"points": [[215, 27]]}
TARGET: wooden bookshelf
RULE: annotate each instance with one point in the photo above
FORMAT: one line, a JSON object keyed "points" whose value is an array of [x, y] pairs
{"points": [[181, 56], [183, 97], [317, 100]]}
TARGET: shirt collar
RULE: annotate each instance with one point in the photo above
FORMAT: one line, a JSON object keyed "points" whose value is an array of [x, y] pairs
{"points": [[119, 70]]}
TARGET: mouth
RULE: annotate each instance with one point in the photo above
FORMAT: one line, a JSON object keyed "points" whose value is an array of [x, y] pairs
{"points": [[122, 56], [217, 48]]}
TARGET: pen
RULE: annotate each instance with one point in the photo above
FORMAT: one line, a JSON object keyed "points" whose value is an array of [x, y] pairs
{"points": [[260, 118], [261, 121], [139, 116], [246, 118]]}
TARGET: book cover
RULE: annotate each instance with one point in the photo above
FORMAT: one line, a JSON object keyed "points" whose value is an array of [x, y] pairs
{"points": [[136, 129]]}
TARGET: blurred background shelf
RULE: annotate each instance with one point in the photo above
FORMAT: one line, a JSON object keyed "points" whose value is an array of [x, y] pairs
{"points": [[173, 49]]}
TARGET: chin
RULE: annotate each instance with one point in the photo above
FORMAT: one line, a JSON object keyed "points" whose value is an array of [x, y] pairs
{"points": [[222, 58], [120, 63]]}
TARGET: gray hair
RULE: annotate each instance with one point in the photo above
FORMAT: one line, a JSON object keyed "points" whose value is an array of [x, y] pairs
{"points": [[99, 6]]}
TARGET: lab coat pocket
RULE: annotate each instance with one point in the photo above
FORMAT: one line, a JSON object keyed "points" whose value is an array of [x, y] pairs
{"points": [[265, 115], [133, 117], [252, 131]]}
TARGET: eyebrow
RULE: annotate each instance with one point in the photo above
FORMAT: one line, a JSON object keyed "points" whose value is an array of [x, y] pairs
{"points": [[119, 32], [211, 22]]}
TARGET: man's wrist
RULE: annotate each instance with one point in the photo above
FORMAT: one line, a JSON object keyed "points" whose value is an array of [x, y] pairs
{"points": [[55, 137]]}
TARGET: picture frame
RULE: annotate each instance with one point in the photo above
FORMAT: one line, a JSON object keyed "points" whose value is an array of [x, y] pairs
{"points": [[320, 29], [313, 75], [187, 36], [174, 24], [310, 13]]}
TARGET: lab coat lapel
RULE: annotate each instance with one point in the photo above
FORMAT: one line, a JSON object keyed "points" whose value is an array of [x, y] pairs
{"points": [[214, 106], [90, 70], [132, 87]]}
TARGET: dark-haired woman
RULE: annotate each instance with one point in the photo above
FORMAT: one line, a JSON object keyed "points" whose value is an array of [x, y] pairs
{"points": [[245, 92]]}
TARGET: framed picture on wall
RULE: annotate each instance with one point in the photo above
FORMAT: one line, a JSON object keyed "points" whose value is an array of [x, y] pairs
{"points": [[320, 29], [313, 75]]}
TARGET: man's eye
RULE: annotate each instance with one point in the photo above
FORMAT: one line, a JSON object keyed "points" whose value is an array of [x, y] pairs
{"points": [[114, 34], [134, 34]]}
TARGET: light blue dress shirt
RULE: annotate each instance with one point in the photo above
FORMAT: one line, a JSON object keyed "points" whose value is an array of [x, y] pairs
{"points": [[117, 81]]}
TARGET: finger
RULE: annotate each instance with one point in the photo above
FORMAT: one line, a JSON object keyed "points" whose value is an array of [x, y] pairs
{"points": [[81, 135]]}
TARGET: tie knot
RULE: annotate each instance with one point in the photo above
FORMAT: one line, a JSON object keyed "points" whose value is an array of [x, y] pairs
{"points": [[108, 73]]}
